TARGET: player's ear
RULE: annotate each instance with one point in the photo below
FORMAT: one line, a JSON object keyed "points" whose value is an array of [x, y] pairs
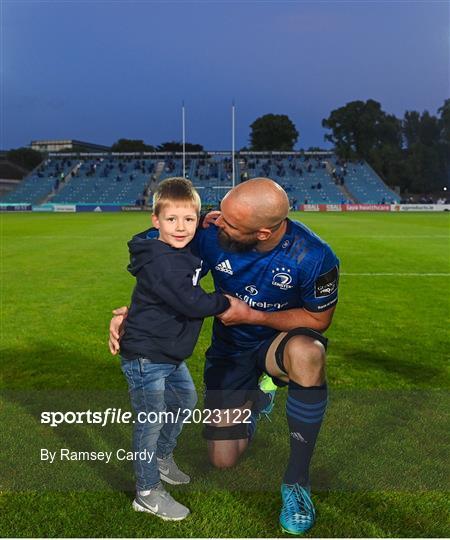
{"points": [[263, 234], [155, 221]]}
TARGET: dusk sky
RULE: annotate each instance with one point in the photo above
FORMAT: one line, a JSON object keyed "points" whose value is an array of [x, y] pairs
{"points": [[98, 71]]}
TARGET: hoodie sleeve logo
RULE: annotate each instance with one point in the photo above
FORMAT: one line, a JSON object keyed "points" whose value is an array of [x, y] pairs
{"points": [[196, 276]]}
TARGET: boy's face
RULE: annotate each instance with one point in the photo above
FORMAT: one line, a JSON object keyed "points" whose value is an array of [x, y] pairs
{"points": [[177, 223]]}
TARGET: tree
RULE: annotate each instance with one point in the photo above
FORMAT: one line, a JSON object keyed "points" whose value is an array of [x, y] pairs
{"points": [[424, 128], [423, 169], [177, 146], [25, 157], [413, 153], [363, 130], [444, 122], [444, 140], [131, 145], [273, 132], [426, 157], [360, 127], [411, 128]]}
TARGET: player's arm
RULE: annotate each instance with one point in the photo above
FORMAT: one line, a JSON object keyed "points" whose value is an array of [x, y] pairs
{"points": [[283, 321], [295, 318], [319, 292]]}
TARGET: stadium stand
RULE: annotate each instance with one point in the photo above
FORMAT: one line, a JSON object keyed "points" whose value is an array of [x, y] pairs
{"points": [[362, 182], [40, 183], [111, 181], [305, 179], [7, 185], [211, 175], [308, 178]]}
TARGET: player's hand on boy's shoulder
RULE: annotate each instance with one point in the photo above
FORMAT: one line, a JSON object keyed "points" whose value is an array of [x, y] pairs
{"points": [[210, 218], [116, 329], [238, 312]]}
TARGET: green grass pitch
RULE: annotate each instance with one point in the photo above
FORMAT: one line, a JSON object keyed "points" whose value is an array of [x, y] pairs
{"points": [[381, 465]]}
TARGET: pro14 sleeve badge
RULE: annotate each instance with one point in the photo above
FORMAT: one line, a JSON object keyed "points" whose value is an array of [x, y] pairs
{"points": [[327, 283]]}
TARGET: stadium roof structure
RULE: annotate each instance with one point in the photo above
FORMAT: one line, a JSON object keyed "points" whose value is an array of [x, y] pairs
{"points": [[197, 153], [56, 145]]}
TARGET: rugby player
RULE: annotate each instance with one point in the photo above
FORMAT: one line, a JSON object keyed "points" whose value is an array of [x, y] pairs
{"points": [[288, 279]]}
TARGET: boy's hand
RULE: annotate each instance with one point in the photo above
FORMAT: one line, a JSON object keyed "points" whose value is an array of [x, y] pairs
{"points": [[116, 329], [210, 218], [238, 313]]}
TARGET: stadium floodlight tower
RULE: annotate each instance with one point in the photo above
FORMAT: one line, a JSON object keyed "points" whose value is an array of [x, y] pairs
{"points": [[183, 129]]}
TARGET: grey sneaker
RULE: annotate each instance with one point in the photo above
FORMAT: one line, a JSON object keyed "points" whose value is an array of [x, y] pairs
{"points": [[161, 504], [170, 473]]}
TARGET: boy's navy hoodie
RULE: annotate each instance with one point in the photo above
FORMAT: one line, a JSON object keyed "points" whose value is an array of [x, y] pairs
{"points": [[167, 306]]}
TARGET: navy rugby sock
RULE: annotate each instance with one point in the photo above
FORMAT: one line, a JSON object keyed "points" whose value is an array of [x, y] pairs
{"points": [[251, 426], [305, 408]]}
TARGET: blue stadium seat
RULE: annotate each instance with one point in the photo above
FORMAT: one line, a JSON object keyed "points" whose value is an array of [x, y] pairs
{"points": [[365, 186], [307, 179], [40, 183]]}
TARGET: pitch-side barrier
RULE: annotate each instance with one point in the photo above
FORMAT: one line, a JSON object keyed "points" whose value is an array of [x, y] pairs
{"points": [[374, 207], [50, 207]]}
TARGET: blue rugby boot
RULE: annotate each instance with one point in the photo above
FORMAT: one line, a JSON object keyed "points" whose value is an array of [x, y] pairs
{"points": [[297, 513]]}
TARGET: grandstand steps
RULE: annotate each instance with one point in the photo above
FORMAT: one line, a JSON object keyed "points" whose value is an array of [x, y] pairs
{"points": [[64, 182], [47, 198], [159, 169], [348, 195], [154, 180], [381, 178]]}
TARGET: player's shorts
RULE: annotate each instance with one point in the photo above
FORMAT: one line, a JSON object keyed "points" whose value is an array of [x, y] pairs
{"points": [[231, 376]]}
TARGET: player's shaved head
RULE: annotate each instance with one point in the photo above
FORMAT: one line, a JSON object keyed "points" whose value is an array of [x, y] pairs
{"points": [[259, 202]]}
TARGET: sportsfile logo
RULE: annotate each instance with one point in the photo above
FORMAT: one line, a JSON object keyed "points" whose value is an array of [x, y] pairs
{"points": [[225, 266]]}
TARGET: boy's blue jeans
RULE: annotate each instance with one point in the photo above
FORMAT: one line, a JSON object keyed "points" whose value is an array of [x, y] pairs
{"points": [[157, 388]]}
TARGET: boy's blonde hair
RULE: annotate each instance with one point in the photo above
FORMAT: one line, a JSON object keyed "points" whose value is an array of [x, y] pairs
{"points": [[172, 190]]}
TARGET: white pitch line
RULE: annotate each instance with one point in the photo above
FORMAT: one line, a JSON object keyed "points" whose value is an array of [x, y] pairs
{"points": [[384, 236], [413, 274]]}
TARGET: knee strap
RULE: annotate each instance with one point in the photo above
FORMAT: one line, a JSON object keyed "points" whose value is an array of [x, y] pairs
{"points": [[279, 353], [226, 433]]}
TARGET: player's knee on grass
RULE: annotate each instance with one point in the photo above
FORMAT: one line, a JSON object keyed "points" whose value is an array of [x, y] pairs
{"points": [[225, 454], [304, 360], [227, 439]]}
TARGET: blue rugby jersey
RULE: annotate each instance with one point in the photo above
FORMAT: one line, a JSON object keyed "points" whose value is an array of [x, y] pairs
{"points": [[302, 271]]}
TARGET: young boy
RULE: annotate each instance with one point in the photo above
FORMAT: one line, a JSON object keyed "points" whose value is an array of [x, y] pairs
{"points": [[162, 327]]}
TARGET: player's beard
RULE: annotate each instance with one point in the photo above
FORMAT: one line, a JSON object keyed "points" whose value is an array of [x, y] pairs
{"points": [[228, 244]]}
